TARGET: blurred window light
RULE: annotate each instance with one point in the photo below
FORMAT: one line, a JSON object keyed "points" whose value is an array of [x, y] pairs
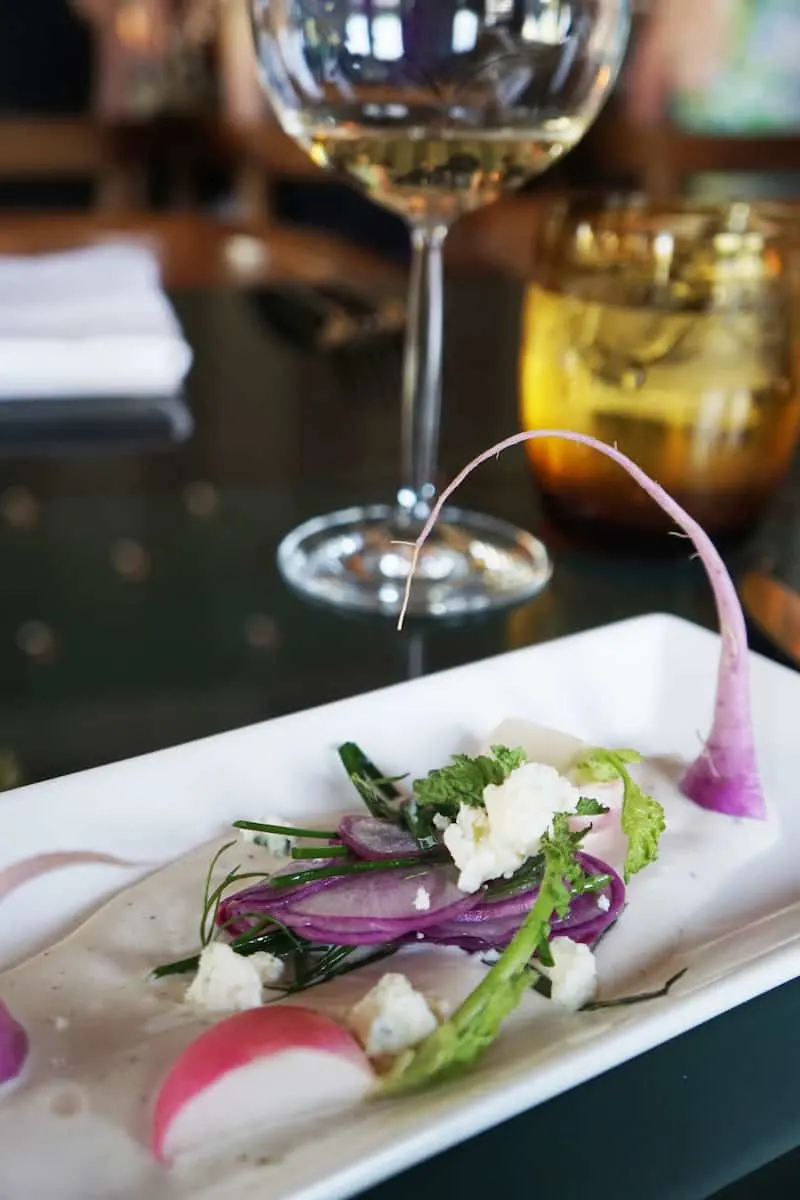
{"points": [[357, 39], [465, 31], [497, 10], [133, 25], [550, 26], [387, 37]]}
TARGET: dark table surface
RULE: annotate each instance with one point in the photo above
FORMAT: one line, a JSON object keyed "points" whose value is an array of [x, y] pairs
{"points": [[141, 607]]}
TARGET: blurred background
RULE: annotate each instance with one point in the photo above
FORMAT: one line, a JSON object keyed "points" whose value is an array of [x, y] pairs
{"points": [[119, 104], [140, 603]]}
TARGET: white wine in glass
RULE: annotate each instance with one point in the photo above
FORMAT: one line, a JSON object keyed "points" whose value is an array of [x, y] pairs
{"points": [[433, 108]]}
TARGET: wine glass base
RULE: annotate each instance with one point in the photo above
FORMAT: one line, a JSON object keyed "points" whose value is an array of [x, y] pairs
{"points": [[471, 563]]}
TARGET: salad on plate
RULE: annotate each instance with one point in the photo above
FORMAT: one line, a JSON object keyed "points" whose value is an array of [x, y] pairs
{"points": [[476, 891]]}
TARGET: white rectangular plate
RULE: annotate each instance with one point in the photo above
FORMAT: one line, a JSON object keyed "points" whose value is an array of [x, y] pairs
{"points": [[647, 683]]}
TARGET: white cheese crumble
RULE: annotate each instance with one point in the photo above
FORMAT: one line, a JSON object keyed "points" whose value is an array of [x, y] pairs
{"points": [[270, 968], [573, 979], [603, 903], [279, 844], [422, 900], [392, 1017], [230, 982], [494, 840]]}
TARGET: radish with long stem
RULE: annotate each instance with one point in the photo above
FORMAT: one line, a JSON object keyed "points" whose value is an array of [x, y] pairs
{"points": [[724, 778]]}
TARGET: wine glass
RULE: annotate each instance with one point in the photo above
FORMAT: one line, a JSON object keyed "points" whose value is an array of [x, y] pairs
{"points": [[433, 107]]}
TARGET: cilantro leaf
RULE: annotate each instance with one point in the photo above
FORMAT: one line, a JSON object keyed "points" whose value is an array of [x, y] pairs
{"points": [[587, 807], [643, 819], [463, 781], [509, 760], [477, 1021]]}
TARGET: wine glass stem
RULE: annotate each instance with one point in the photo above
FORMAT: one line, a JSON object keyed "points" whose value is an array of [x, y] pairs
{"points": [[422, 374]]}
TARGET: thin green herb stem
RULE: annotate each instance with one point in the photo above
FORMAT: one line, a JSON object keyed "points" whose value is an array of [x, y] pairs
{"points": [[348, 868], [284, 830], [213, 901], [268, 935], [320, 852], [182, 967], [206, 891], [336, 964], [624, 1001], [593, 883]]}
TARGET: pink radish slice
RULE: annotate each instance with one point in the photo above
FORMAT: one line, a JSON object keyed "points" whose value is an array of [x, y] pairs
{"points": [[373, 839], [256, 1072], [14, 1046], [385, 899]]}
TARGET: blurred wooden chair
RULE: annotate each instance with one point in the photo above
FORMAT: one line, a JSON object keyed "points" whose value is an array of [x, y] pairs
{"points": [[67, 150], [117, 158], [661, 161]]}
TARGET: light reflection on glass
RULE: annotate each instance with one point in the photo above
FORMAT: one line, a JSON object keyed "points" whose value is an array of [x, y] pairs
{"points": [[465, 31], [357, 39], [387, 37], [497, 10], [551, 26]]}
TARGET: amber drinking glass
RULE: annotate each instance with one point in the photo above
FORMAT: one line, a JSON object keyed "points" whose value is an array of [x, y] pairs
{"points": [[670, 331]]}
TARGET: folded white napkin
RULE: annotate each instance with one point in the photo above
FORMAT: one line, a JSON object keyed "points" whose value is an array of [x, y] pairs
{"points": [[91, 322]]}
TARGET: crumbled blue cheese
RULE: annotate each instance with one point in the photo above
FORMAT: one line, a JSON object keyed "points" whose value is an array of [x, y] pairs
{"points": [[270, 968], [573, 978], [279, 844], [492, 841], [422, 900], [392, 1017], [603, 903], [230, 982]]}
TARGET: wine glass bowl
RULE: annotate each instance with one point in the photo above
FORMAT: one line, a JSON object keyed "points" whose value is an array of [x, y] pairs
{"points": [[433, 108]]}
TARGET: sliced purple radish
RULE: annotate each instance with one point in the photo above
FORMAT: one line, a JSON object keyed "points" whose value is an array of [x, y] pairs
{"points": [[493, 925], [472, 945], [329, 935], [489, 933], [375, 840], [408, 898], [596, 866], [243, 910]]}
